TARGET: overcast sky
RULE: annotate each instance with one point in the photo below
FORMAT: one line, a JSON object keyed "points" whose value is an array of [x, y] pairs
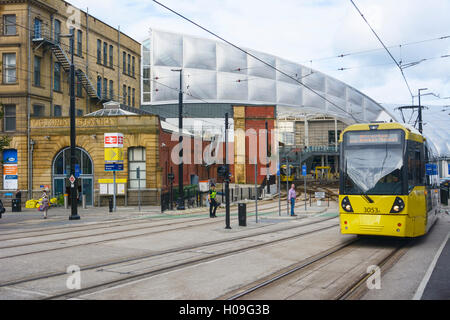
{"points": [[305, 30]]}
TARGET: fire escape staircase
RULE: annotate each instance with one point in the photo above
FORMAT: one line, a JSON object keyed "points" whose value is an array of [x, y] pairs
{"points": [[62, 58]]}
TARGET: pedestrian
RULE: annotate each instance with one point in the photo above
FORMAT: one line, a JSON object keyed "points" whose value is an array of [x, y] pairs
{"points": [[213, 204], [44, 205], [18, 194], [291, 198]]}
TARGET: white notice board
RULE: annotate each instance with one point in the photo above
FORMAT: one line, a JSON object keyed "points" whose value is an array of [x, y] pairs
{"points": [[108, 188]]}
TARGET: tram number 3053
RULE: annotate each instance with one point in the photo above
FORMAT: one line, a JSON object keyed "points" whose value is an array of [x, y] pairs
{"points": [[371, 210]]}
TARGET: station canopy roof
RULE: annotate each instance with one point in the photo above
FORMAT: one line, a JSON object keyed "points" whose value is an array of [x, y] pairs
{"points": [[436, 124]]}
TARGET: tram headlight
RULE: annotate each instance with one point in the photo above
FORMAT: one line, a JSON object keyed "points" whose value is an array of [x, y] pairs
{"points": [[346, 205], [398, 205]]}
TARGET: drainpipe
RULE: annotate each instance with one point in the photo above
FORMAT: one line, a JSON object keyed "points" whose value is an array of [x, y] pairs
{"points": [[29, 145]]}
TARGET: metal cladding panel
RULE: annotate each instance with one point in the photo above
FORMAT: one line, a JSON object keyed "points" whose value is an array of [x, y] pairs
{"points": [[314, 80], [262, 90], [313, 101], [259, 69], [166, 84], [230, 59], [335, 88], [230, 87], [292, 69], [289, 94], [216, 71], [338, 106], [167, 49], [372, 110], [199, 53], [200, 85]]}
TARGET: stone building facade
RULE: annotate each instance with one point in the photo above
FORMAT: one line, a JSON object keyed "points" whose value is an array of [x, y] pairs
{"points": [[35, 60]]}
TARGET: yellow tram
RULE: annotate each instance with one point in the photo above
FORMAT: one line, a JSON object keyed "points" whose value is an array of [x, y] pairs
{"points": [[284, 174], [384, 189]]}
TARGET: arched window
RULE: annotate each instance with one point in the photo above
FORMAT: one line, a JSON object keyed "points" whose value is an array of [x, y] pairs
{"points": [[61, 171]]}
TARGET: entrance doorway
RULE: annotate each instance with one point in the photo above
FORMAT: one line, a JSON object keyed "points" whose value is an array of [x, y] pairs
{"points": [[61, 172]]}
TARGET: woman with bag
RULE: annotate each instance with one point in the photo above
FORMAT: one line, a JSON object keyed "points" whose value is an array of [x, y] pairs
{"points": [[44, 206]]}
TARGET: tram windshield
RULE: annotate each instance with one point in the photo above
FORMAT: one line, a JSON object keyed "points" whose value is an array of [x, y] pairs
{"points": [[373, 162]]}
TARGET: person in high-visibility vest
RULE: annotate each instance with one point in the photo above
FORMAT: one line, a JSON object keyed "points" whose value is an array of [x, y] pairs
{"points": [[213, 204]]}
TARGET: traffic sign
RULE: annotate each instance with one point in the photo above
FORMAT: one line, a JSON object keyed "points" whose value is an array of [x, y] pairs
{"points": [[113, 166], [72, 179], [77, 171], [304, 170]]}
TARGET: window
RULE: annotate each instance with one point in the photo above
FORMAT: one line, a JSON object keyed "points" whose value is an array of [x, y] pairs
{"points": [[79, 92], [99, 86], [111, 60], [124, 94], [37, 28], [38, 110], [99, 51], [10, 117], [105, 53], [79, 43], [111, 89], [129, 96], [9, 68], [57, 110], [9, 25], [129, 64], [136, 159], [57, 77], [134, 96], [37, 71], [332, 137], [57, 30], [132, 66], [124, 61], [105, 88]]}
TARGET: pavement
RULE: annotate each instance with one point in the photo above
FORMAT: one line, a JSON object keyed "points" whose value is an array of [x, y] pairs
{"points": [[60, 216]]}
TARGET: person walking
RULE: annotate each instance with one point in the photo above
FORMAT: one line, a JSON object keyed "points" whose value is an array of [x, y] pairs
{"points": [[292, 196], [45, 204], [212, 201]]}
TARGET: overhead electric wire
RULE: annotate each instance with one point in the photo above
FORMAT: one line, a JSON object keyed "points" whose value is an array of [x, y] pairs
{"points": [[387, 50], [376, 49], [256, 58]]}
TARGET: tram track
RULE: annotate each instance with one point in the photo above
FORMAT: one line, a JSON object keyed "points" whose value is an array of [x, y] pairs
{"points": [[351, 290], [174, 266]]}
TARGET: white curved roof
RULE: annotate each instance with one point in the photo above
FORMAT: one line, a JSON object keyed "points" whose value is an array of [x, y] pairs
{"points": [[436, 126], [216, 72]]}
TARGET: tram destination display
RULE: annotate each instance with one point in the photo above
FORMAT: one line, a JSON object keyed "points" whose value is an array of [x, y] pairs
{"points": [[379, 137]]}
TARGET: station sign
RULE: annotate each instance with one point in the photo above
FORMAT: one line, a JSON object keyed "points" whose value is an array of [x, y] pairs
{"points": [[113, 154], [431, 169], [113, 140], [113, 166]]}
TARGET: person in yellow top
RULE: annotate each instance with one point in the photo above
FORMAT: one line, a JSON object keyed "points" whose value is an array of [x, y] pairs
{"points": [[213, 204]]}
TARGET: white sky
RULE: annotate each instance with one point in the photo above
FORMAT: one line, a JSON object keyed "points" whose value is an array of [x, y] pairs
{"points": [[304, 30]]}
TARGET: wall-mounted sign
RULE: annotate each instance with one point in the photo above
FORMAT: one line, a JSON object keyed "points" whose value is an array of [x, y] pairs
{"points": [[113, 140]]}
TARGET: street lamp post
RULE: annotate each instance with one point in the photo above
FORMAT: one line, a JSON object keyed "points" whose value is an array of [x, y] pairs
{"points": [[180, 200], [73, 182]]}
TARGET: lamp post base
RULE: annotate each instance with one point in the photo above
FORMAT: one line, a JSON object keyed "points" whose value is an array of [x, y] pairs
{"points": [[75, 217]]}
